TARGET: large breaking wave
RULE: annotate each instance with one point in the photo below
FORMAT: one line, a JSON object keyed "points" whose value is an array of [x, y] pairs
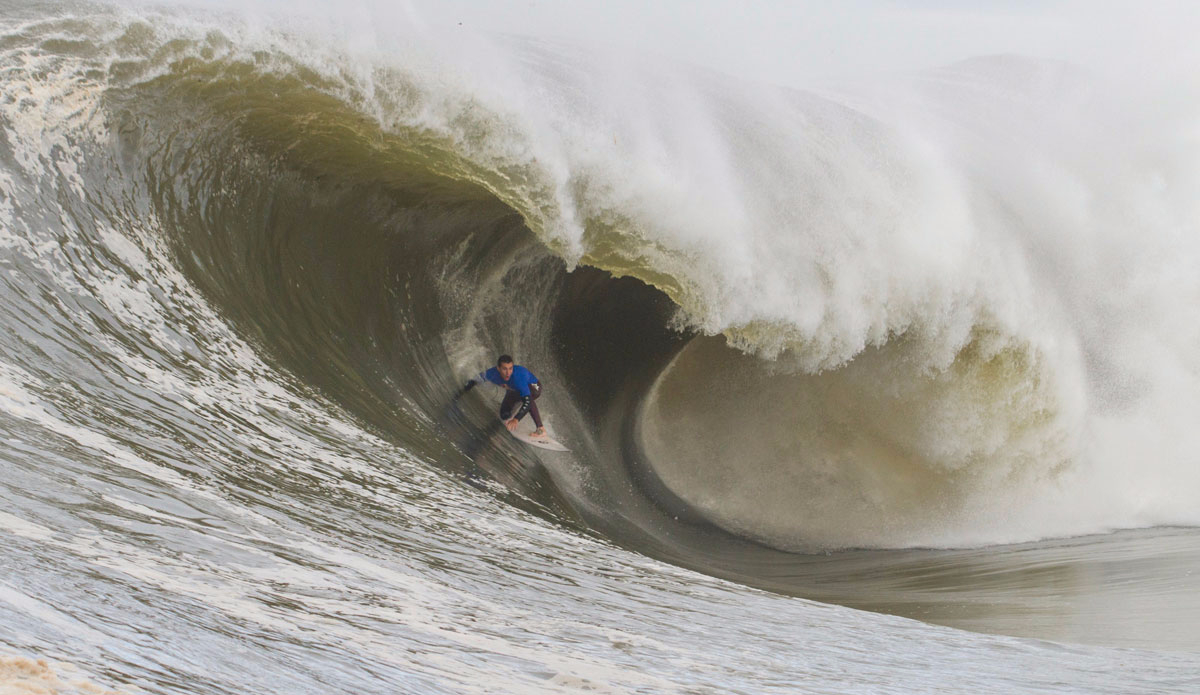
{"points": [[956, 309]]}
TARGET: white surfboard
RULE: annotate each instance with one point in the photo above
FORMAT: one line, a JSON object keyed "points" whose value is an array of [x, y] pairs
{"points": [[524, 432]]}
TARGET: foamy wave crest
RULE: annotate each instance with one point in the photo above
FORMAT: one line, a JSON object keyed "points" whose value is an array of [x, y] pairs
{"points": [[973, 286], [961, 304]]}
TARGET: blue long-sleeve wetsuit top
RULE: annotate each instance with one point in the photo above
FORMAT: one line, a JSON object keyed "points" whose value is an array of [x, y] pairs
{"points": [[519, 381]]}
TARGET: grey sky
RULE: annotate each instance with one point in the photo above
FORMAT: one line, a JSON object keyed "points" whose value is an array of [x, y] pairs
{"points": [[802, 42]]}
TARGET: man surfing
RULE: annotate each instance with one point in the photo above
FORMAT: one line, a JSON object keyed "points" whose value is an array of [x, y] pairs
{"points": [[519, 384]]}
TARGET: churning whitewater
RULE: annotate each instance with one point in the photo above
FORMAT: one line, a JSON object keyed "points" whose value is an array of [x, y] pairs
{"points": [[837, 345]]}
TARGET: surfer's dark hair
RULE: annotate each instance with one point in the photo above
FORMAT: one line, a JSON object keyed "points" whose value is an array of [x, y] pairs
{"points": [[504, 359]]}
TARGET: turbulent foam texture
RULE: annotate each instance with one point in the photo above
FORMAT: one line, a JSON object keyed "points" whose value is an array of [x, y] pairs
{"points": [[1023, 202], [240, 267], [1005, 249]]}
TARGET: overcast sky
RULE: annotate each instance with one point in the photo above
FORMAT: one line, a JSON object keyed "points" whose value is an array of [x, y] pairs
{"points": [[798, 43]]}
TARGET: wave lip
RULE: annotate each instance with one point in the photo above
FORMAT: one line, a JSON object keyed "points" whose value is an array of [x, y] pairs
{"points": [[936, 267], [867, 331]]}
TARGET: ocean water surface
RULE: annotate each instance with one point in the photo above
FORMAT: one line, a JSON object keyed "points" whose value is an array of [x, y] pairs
{"points": [[886, 385]]}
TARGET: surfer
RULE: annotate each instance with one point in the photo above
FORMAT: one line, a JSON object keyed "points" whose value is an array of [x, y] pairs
{"points": [[519, 384]]}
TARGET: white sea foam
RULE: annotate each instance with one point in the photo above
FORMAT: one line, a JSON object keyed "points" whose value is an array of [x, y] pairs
{"points": [[240, 548], [1045, 208], [1010, 201]]}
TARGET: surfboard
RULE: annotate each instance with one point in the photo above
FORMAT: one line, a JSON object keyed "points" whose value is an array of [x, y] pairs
{"points": [[526, 427]]}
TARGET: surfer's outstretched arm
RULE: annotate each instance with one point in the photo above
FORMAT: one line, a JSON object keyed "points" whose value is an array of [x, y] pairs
{"points": [[477, 379], [463, 391], [451, 411]]}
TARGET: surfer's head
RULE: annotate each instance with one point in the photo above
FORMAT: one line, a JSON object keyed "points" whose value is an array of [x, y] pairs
{"points": [[505, 365]]}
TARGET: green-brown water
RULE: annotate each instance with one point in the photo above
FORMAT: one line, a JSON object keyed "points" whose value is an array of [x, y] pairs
{"points": [[242, 272]]}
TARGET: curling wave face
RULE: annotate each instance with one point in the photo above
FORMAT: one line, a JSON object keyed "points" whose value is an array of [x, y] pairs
{"points": [[845, 322], [953, 311]]}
